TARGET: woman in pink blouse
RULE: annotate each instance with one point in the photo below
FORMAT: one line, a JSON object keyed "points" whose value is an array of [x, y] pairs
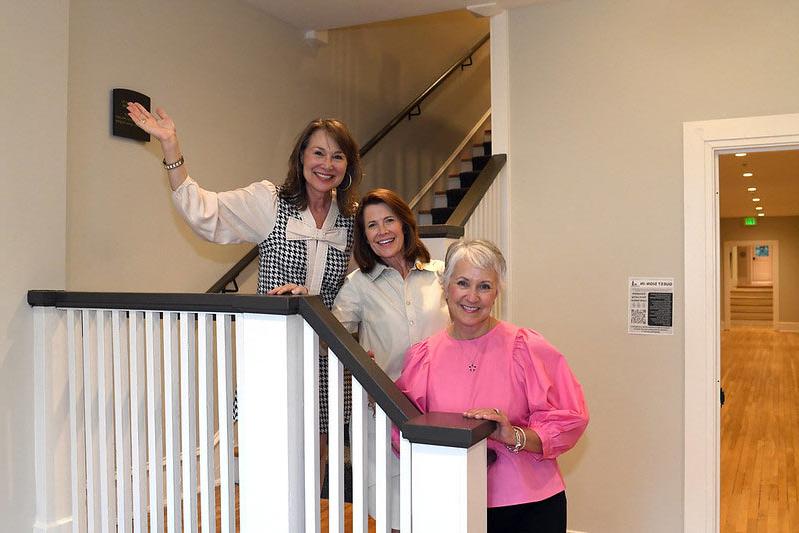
{"points": [[492, 370]]}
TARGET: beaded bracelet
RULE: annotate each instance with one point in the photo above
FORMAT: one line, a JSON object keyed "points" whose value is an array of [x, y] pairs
{"points": [[176, 164]]}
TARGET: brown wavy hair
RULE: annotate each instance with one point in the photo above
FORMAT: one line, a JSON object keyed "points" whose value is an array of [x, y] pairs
{"points": [[293, 189], [412, 249]]}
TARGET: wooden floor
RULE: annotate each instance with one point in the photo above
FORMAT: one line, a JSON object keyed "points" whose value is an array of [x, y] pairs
{"points": [[323, 514], [759, 431]]}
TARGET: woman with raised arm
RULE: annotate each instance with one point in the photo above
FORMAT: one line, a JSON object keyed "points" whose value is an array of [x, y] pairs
{"points": [[303, 228], [492, 370]]}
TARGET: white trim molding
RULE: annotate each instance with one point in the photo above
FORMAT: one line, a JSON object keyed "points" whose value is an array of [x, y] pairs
{"points": [[702, 142]]}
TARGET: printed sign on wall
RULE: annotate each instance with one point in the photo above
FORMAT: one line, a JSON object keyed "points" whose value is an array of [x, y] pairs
{"points": [[651, 306]]}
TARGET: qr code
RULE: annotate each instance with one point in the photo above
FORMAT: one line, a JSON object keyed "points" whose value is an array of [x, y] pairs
{"points": [[638, 316]]}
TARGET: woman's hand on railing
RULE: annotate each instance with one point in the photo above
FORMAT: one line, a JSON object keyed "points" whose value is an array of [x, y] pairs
{"points": [[504, 432], [289, 288]]}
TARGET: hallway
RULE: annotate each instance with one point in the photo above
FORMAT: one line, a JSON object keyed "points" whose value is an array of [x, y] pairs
{"points": [[759, 431]]}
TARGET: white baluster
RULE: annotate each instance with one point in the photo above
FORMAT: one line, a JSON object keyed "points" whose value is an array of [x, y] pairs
{"points": [[155, 440], [406, 496], [358, 455], [105, 418], [205, 358], [138, 421], [224, 354], [119, 329], [188, 420], [383, 471], [335, 460], [77, 434], [310, 358], [90, 414], [172, 421]]}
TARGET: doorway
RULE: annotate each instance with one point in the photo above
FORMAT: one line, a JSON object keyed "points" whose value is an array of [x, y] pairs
{"points": [[702, 143], [750, 283]]}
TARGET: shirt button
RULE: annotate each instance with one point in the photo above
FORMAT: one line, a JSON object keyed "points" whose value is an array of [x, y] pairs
{"points": [[408, 302], [411, 322]]}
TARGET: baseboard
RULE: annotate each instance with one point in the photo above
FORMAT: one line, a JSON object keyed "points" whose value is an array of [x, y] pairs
{"points": [[787, 326], [63, 525], [575, 531]]}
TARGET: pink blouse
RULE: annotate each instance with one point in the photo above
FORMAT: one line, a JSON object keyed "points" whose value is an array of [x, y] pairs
{"points": [[517, 371]]}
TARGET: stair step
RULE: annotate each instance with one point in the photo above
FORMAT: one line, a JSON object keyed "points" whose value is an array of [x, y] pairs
{"points": [[487, 135], [424, 218], [765, 302], [441, 214], [449, 198], [467, 179], [479, 163], [487, 148], [765, 309], [454, 181]]}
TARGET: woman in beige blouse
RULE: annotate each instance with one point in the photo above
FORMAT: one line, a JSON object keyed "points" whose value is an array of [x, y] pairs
{"points": [[394, 300]]}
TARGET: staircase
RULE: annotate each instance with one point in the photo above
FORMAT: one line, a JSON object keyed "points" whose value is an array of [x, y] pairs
{"points": [[752, 305], [461, 175]]}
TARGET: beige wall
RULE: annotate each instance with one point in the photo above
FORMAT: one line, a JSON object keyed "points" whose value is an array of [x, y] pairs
{"points": [[599, 92], [379, 68], [240, 85], [33, 100], [786, 231]]}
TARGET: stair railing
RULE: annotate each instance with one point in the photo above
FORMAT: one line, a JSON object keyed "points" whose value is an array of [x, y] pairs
{"points": [[411, 110], [129, 383]]}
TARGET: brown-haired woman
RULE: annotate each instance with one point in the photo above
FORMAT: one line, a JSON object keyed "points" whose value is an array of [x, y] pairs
{"points": [[304, 237], [393, 300]]}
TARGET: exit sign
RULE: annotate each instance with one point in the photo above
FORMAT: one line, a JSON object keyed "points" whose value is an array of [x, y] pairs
{"points": [[750, 221]]}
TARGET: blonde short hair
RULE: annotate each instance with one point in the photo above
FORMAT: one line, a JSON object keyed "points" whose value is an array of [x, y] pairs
{"points": [[480, 253]]}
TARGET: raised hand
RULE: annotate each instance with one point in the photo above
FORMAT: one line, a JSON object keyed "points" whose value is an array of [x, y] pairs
{"points": [[159, 124]]}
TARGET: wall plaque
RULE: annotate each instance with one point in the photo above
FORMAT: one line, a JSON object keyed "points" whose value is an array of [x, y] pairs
{"points": [[121, 124]]}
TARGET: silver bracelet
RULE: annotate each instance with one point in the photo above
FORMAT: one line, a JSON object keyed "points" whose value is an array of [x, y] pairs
{"points": [[519, 440], [176, 164]]}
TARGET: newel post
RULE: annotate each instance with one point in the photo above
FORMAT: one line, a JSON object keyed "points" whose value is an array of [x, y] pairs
{"points": [[270, 408], [448, 472], [51, 421]]}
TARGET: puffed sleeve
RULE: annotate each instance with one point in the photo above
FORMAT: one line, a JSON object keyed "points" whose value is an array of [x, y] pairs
{"points": [[242, 215], [558, 413], [413, 380], [348, 306]]}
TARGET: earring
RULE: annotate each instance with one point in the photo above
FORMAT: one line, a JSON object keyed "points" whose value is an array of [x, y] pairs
{"points": [[349, 184]]}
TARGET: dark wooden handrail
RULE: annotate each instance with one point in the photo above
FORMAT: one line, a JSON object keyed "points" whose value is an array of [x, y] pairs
{"points": [[416, 102], [231, 275], [445, 429]]}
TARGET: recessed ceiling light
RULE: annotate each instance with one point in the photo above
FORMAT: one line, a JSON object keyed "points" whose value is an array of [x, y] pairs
{"points": [[751, 189], [747, 174], [755, 199], [761, 214], [759, 208], [740, 154]]}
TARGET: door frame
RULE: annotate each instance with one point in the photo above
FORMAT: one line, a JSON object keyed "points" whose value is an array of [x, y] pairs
{"points": [[775, 277], [702, 143]]}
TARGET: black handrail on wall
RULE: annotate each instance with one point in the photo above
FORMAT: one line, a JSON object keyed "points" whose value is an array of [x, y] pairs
{"points": [[414, 108], [411, 110], [444, 429]]}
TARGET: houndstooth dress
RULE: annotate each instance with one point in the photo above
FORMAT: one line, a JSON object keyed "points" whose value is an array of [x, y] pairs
{"points": [[283, 260]]}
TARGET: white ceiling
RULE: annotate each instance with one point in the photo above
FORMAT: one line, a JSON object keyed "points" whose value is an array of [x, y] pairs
{"points": [[327, 14], [776, 176]]}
